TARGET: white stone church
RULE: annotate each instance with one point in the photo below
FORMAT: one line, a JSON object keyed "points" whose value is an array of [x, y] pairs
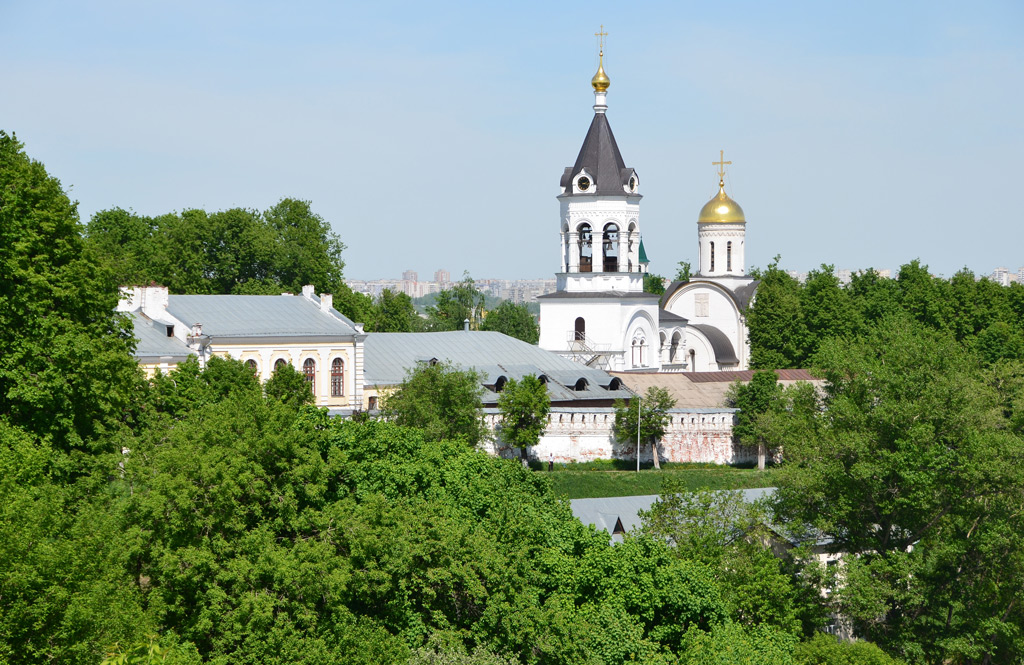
{"points": [[600, 314]]}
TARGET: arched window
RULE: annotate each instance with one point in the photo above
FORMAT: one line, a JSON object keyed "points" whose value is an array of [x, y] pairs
{"points": [[580, 331], [309, 369], [253, 367], [279, 363], [610, 248], [499, 385], [638, 351], [728, 255], [337, 377], [586, 243], [712, 256], [674, 348]]}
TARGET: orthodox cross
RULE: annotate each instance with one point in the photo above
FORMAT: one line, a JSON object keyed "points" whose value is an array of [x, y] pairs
{"points": [[601, 34], [721, 164]]}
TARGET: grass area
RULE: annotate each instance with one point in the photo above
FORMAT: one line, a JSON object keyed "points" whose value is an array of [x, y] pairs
{"points": [[604, 479]]}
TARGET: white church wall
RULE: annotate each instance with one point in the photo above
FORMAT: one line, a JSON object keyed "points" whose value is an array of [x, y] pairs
{"points": [[585, 435]]}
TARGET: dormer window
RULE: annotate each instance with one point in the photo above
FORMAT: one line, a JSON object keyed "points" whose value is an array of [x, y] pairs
{"points": [[170, 331]]}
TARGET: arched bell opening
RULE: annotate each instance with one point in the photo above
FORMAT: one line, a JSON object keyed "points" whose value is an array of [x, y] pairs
{"points": [[610, 248], [586, 247]]}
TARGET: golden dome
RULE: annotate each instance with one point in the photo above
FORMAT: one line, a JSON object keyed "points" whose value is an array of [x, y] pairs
{"points": [[721, 209], [600, 80]]}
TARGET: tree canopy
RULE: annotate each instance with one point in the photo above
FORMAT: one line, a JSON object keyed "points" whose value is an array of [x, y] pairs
{"points": [[910, 462], [453, 306], [441, 400], [652, 412], [524, 407], [514, 320]]}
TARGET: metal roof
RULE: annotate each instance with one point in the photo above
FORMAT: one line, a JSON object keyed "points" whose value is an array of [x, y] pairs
{"points": [[153, 339], [259, 316], [605, 512], [703, 389], [724, 353], [600, 156], [388, 357]]}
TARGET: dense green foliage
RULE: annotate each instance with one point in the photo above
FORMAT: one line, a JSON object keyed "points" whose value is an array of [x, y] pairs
{"points": [[652, 412], [454, 306], [514, 320], [654, 284], [441, 400], [912, 459], [394, 312], [788, 321], [524, 407], [201, 517], [232, 251], [66, 374]]}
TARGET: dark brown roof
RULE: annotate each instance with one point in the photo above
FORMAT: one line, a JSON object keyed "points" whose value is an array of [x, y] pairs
{"points": [[747, 375]]}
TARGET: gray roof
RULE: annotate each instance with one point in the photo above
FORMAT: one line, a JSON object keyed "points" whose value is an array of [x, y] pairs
{"points": [[604, 513], [153, 339], [600, 156], [389, 357], [259, 316], [724, 353], [665, 316]]}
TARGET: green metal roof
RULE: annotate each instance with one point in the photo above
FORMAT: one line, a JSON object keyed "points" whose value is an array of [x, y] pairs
{"points": [[643, 254]]}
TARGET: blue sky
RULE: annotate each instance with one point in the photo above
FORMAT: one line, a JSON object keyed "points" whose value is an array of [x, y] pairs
{"points": [[433, 135]]}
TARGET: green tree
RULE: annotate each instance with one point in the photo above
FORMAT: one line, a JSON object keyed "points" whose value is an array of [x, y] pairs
{"points": [[306, 251], [524, 407], [288, 386], [66, 370], [754, 399], [722, 531], [514, 320], [394, 312], [824, 649], [654, 284], [441, 400], [909, 464], [453, 306], [231, 251], [775, 322], [826, 308], [683, 273], [653, 416]]}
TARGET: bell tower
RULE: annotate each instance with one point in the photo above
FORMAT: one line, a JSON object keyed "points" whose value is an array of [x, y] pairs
{"points": [[600, 208], [599, 313]]}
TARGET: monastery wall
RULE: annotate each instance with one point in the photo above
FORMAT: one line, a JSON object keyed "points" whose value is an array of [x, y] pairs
{"points": [[584, 435]]}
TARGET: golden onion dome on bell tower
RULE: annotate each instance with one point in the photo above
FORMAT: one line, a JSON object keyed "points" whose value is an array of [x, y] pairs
{"points": [[721, 209], [600, 80]]}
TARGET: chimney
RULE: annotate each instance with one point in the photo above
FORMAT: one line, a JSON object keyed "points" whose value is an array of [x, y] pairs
{"points": [[154, 301], [326, 302], [307, 291], [465, 325], [197, 330]]}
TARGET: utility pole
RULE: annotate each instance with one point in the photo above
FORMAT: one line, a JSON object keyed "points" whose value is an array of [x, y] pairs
{"points": [[638, 433]]}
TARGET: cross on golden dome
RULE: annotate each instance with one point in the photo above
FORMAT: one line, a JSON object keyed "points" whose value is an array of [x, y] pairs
{"points": [[601, 34], [721, 166]]}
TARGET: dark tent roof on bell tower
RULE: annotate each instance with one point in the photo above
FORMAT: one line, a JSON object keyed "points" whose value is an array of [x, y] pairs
{"points": [[601, 158]]}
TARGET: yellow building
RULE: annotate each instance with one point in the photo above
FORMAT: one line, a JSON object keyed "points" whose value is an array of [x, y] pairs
{"points": [[304, 331]]}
